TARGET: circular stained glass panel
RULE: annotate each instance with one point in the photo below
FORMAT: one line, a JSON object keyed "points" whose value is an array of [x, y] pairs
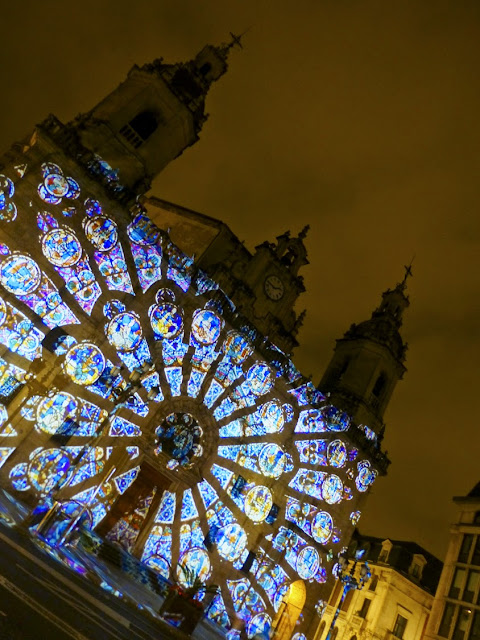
{"points": [[272, 417], [179, 436], [61, 248], [193, 563], [8, 213], [50, 167], [366, 476], [258, 503], [73, 189], [355, 517], [52, 412], [206, 326], [7, 188], [48, 468], [93, 207], [102, 233], [259, 626], [20, 275], [308, 562], [337, 453], [259, 379], [166, 320], [271, 460], [19, 477], [322, 527], [124, 332], [231, 541], [332, 489], [84, 363], [56, 185], [237, 348], [46, 196]]}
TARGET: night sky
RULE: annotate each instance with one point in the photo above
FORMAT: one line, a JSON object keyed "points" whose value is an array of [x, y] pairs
{"points": [[358, 118]]}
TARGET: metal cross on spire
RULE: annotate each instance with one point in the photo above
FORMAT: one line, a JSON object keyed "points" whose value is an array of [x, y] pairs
{"points": [[236, 40], [408, 272]]}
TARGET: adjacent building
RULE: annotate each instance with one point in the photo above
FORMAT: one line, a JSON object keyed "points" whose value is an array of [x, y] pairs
{"points": [[394, 603], [456, 610]]}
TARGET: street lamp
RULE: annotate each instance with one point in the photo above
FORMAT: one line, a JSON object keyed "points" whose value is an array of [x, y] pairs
{"points": [[349, 578]]}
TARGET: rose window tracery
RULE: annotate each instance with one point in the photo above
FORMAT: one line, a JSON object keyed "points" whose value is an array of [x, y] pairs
{"points": [[263, 472]]}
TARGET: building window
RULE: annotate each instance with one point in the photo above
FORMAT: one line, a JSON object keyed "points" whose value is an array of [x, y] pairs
{"points": [[373, 583], [343, 368], [465, 548], [399, 627], [140, 128], [416, 571], [365, 607], [379, 386], [321, 629], [205, 68], [348, 599], [457, 583], [446, 622], [472, 585], [383, 557], [334, 633], [475, 628], [336, 593], [476, 552], [461, 625]]}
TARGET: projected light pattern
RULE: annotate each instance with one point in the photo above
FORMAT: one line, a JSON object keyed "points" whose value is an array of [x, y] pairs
{"points": [[247, 443]]}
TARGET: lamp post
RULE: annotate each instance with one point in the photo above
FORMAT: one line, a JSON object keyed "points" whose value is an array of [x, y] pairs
{"points": [[349, 578], [52, 496]]}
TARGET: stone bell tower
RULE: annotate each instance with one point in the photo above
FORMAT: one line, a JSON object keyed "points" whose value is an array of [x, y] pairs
{"points": [[369, 361], [153, 116]]}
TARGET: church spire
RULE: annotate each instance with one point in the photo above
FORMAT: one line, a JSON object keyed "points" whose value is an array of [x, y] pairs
{"points": [[369, 360], [191, 81], [225, 49], [153, 116]]}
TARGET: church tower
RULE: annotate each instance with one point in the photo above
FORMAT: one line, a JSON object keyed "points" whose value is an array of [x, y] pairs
{"points": [[153, 116], [369, 361]]}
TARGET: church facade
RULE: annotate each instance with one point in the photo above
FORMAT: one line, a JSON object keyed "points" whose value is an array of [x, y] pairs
{"points": [[146, 372]]}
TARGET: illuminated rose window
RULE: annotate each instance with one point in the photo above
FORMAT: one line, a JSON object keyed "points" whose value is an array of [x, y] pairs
{"points": [[275, 473], [179, 437]]}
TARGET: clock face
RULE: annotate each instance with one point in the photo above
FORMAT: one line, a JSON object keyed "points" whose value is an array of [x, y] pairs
{"points": [[274, 287]]}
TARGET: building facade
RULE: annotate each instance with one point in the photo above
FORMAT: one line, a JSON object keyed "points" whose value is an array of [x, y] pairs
{"points": [[146, 372], [456, 610], [395, 602]]}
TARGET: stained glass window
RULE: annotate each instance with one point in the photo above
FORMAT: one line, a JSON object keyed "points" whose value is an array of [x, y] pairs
{"points": [[63, 250], [21, 275], [245, 443], [146, 250], [18, 333], [102, 232]]}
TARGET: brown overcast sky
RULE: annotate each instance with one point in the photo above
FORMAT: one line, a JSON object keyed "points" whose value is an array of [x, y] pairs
{"points": [[360, 118]]}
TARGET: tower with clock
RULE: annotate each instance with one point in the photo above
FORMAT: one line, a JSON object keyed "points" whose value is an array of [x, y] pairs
{"points": [[264, 285]]}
